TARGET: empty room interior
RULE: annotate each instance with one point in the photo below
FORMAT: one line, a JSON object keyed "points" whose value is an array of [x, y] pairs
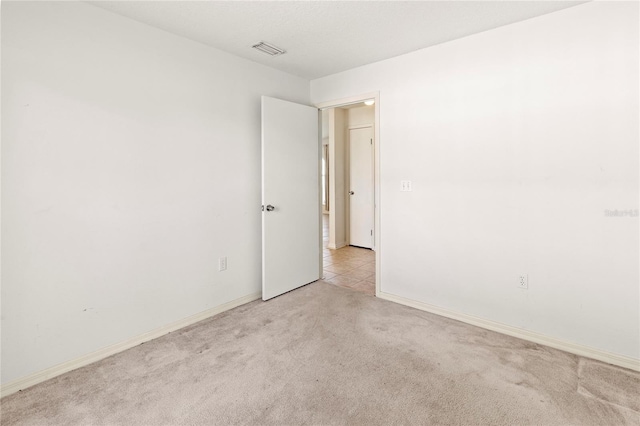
{"points": [[320, 212]]}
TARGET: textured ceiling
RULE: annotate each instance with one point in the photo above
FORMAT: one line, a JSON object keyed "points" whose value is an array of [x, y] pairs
{"points": [[326, 37]]}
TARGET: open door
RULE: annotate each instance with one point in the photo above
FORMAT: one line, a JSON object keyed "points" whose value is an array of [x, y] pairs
{"points": [[291, 227]]}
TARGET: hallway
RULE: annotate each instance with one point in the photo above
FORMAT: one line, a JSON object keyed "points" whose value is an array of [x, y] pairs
{"points": [[349, 267]]}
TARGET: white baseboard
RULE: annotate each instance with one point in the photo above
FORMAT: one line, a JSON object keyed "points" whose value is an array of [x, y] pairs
{"points": [[56, 370], [574, 348], [336, 246]]}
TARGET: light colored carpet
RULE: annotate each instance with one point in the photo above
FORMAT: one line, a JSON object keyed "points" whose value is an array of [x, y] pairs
{"points": [[328, 355]]}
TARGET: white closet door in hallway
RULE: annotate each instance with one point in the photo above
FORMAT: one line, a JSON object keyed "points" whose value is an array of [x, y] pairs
{"points": [[361, 187]]}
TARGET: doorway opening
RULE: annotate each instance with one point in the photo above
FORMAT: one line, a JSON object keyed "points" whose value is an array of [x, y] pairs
{"points": [[349, 194]]}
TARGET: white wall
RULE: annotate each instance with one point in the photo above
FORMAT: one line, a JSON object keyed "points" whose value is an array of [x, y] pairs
{"points": [[360, 116], [325, 124], [130, 163], [337, 192], [517, 140]]}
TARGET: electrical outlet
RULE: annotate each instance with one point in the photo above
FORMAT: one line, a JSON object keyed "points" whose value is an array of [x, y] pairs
{"points": [[222, 264], [405, 185], [523, 281]]}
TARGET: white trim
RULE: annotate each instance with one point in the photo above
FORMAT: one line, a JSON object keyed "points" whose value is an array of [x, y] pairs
{"points": [[360, 126], [349, 100], [56, 370], [532, 336], [337, 246], [376, 132], [320, 194]]}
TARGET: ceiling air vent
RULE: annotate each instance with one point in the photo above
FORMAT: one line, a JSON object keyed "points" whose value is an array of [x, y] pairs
{"points": [[269, 49]]}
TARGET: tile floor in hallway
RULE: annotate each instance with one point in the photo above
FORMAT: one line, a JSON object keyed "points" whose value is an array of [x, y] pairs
{"points": [[349, 267]]}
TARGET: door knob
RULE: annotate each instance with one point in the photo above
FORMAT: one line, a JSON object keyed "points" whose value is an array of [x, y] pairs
{"points": [[270, 208], [351, 192]]}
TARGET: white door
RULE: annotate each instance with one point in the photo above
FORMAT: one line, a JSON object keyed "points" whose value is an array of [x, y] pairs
{"points": [[361, 192], [291, 227]]}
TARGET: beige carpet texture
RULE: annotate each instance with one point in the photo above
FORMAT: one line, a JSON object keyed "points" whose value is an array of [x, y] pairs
{"points": [[325, 355]]}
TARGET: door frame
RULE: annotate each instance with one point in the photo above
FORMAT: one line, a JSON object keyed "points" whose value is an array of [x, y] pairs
{"points": [[376, 168]]}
